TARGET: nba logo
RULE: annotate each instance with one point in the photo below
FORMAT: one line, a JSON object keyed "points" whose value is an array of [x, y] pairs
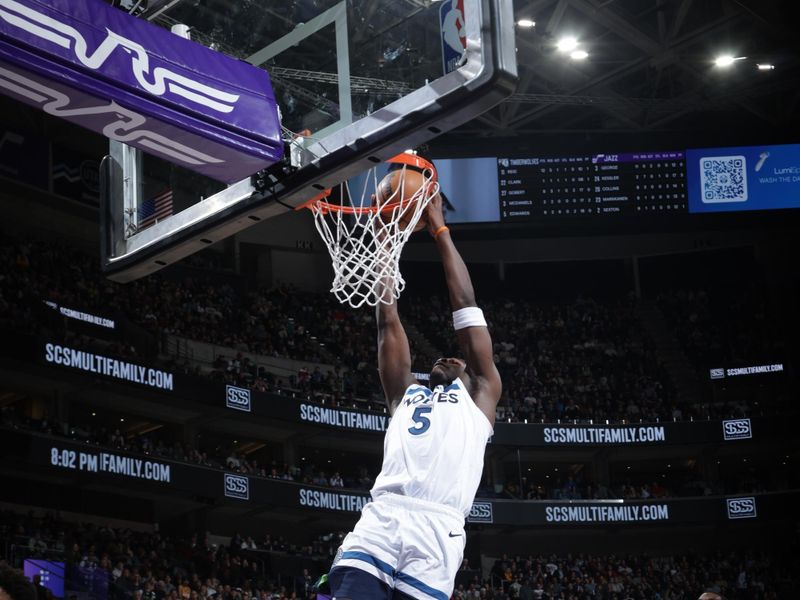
{"points": [[741, 508], [454, 34]]}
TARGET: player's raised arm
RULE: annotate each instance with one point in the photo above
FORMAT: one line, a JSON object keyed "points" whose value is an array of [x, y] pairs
{"points": [[394, 354], [471, 330]]}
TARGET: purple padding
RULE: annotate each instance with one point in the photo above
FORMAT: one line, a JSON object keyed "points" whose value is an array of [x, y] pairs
{"points": [[92, 64]]}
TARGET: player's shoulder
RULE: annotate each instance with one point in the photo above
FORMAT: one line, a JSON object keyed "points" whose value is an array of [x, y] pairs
{"points": [[417, 388]]}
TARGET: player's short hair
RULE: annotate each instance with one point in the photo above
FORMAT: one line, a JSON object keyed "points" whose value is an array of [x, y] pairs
{"points": [[15, 584]]}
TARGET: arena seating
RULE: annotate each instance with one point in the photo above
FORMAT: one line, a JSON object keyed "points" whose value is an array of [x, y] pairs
{"points": [[147, 565]]}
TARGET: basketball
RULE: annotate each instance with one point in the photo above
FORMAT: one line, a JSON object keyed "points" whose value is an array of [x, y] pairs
{"points": [[402, 185]]}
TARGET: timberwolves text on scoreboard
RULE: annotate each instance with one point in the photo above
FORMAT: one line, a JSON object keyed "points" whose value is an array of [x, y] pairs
{"points": [[584, 186]]}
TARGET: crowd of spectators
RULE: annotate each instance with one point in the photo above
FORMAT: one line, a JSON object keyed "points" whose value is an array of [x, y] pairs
{"points": [[724, 326], [148, 565], [583, 360], [730, 326], [644, 487], [278, 322], [738, 575], [579, 361], [575, 487]]}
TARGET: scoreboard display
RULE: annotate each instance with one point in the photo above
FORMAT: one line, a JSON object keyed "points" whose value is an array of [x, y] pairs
{"points": [[602, 185]]}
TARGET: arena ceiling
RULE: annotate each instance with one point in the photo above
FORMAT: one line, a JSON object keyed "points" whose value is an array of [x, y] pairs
{"points": [[651, 66]]}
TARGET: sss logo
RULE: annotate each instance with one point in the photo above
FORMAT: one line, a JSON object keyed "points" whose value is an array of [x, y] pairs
{"points": [[737, 429], [237, 486], [481, 512], [237, 398], [717, 373], [741, 508]]}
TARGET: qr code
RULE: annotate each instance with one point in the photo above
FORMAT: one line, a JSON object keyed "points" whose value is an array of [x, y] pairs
{"points": [[723, 179]]}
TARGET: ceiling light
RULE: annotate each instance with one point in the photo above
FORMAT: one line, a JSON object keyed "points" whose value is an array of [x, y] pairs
{"points": [[527, 23], [567, 44], [579, 55], [765, 67], [726, 60]]}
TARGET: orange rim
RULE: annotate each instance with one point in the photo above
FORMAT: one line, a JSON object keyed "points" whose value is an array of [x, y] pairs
{"points": [[316, 199], [404, 158]]}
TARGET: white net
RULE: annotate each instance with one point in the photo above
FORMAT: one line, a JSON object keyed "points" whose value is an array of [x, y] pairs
{"points": [[365, 241]]}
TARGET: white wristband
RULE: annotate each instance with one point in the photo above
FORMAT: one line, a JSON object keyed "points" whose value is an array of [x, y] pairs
{"points": [[471, 316]]}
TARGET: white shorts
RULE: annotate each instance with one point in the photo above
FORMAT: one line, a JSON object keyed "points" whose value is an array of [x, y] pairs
{"points": [[410, 545]]}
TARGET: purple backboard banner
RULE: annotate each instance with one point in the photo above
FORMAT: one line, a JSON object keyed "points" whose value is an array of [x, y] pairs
{"points": [[132, 81]]}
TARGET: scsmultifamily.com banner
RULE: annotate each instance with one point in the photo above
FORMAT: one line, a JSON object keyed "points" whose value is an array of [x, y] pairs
{"points": [[723, 372], [89, 362]]}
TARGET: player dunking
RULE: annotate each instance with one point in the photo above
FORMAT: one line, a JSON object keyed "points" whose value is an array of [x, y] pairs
{"points": [[410, 539]]}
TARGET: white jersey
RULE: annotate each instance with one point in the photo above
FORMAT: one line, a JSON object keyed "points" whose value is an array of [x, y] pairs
{"points": [[434, 447]]}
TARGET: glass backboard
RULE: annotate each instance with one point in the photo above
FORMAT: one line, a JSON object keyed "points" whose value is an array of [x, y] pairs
{"points": [[355, 81]]}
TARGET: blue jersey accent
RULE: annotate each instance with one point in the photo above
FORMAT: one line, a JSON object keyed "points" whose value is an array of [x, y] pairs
{"points": [[385, 568], [375, 562], [415, 389], [416, 583]]}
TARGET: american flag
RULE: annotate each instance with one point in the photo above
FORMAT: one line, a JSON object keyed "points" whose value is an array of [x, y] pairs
{"points": [[155, 209]]}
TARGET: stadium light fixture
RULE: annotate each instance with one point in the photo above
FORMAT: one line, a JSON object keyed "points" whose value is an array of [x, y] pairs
{"points": [[765, 67], [526, 23], [726, 60], [579, 55], [567, 44]]}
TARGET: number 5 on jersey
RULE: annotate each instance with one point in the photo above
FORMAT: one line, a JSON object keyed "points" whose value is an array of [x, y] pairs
{"points": [[421, 422]]}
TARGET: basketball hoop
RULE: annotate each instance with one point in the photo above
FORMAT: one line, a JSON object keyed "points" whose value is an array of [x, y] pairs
{"points": [[365, 238]]}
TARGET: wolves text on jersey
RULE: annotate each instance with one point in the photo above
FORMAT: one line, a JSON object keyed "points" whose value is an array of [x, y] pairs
{"points": [[430, 398]]}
